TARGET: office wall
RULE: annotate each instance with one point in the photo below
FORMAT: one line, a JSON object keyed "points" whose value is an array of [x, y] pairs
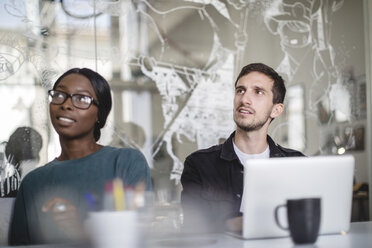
{"points": [[172, 65], [368, 44]]}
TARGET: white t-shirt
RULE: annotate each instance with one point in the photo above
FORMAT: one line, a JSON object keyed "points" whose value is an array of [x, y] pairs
{"points": [[244, 156]]}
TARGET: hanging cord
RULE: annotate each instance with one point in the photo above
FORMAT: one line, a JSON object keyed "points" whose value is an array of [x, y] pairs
{"points": [[79, 16], [95, 34], [94, 16]]}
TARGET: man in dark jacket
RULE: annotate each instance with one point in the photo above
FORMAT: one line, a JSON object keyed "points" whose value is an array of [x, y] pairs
{"points": [[212, 178]]}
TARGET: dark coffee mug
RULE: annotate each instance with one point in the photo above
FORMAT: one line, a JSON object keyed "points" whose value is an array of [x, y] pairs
{"points": [[303, 219]]}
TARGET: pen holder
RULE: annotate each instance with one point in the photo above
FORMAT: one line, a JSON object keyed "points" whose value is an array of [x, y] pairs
{"points": [[113, 229]]}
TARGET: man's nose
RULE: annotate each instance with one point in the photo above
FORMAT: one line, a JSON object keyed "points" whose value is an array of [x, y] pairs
{"points": [[246, 98]]}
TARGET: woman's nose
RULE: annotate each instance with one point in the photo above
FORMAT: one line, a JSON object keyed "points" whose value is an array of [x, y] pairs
{"points": [[67, 104]]}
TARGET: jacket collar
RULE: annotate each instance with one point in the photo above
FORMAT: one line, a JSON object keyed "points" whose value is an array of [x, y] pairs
{"points": [[228, 153], [274, 148]]}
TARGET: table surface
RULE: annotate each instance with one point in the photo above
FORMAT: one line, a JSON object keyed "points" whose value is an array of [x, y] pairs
{"points": [[360, 235]]}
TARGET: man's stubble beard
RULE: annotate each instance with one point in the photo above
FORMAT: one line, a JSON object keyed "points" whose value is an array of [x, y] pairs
{"points": [[252, 126]]}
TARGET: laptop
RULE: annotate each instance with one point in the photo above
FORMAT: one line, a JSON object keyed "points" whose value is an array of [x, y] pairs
{"points": [[269, 182]]}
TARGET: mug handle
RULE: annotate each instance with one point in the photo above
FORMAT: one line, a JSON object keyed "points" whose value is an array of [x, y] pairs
{"points": [[277, 217]]}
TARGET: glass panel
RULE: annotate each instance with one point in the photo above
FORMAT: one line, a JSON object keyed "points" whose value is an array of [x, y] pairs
{"points": [[172, 65]]}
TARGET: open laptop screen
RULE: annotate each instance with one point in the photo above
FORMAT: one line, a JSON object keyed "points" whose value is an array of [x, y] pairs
{"points": [[270, 182]]}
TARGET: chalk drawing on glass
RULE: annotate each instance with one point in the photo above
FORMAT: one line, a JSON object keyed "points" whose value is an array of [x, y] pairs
{"points": [[196, 91], [304, 28]]}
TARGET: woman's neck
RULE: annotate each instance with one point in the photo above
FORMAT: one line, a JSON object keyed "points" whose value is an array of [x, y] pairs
{"points": [[74, 149]]}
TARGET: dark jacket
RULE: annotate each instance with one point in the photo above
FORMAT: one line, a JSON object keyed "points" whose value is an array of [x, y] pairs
{"points": [[212, 182]]}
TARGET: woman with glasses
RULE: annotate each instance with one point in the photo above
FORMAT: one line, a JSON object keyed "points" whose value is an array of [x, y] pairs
{"points": [[53, 200]]}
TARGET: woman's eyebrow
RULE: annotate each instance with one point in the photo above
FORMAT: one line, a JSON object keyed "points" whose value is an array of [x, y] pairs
{"points": [[60, 86], [78, 91], [83, 91]]}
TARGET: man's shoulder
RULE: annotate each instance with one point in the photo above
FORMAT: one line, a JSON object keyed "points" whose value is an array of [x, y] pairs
{"points": [[277, 150], [211, 151], [289, 152]]}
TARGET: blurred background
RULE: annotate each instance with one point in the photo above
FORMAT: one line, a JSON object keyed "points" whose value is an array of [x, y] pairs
{"points": [[171, 65]]}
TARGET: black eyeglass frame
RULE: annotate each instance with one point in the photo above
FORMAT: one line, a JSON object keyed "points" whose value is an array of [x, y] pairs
{"points": [[95, 102]]}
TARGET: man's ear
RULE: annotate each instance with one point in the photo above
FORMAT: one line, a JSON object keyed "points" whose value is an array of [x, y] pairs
{"points": [[277, 110]]}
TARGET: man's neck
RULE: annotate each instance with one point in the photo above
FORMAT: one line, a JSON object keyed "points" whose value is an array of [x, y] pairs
{"points": [[254, 142]]}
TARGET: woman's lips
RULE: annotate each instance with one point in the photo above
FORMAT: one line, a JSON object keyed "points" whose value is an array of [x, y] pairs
{"points": [[65, 119]]}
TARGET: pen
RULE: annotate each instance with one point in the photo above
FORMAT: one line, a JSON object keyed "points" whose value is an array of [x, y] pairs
{"points": [[129, 198], [139, 195], [91, 201], [119, 197], [108, 197]]}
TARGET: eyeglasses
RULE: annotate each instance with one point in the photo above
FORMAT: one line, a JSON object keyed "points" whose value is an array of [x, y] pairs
{"points": [[78, 100]]}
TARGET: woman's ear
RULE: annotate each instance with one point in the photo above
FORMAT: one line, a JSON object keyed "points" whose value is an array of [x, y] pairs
{"points": [[277, 110]]}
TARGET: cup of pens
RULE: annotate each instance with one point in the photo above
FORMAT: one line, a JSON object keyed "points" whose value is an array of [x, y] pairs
{"points": [[117, 225], [113, 229]]}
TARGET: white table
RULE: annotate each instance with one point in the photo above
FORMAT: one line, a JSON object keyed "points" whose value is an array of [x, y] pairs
{"points": [[359, 236]]}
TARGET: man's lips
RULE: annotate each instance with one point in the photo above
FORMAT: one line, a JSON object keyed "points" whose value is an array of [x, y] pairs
{"points": [[244, 110]]}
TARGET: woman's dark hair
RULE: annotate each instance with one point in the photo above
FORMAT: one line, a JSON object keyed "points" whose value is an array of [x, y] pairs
{"points": [[278, 87], [103, 93]]}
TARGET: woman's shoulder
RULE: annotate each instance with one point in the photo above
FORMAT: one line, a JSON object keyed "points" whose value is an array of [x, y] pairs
{"points": [[38, 173], [126, 157], [121, 150]]}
